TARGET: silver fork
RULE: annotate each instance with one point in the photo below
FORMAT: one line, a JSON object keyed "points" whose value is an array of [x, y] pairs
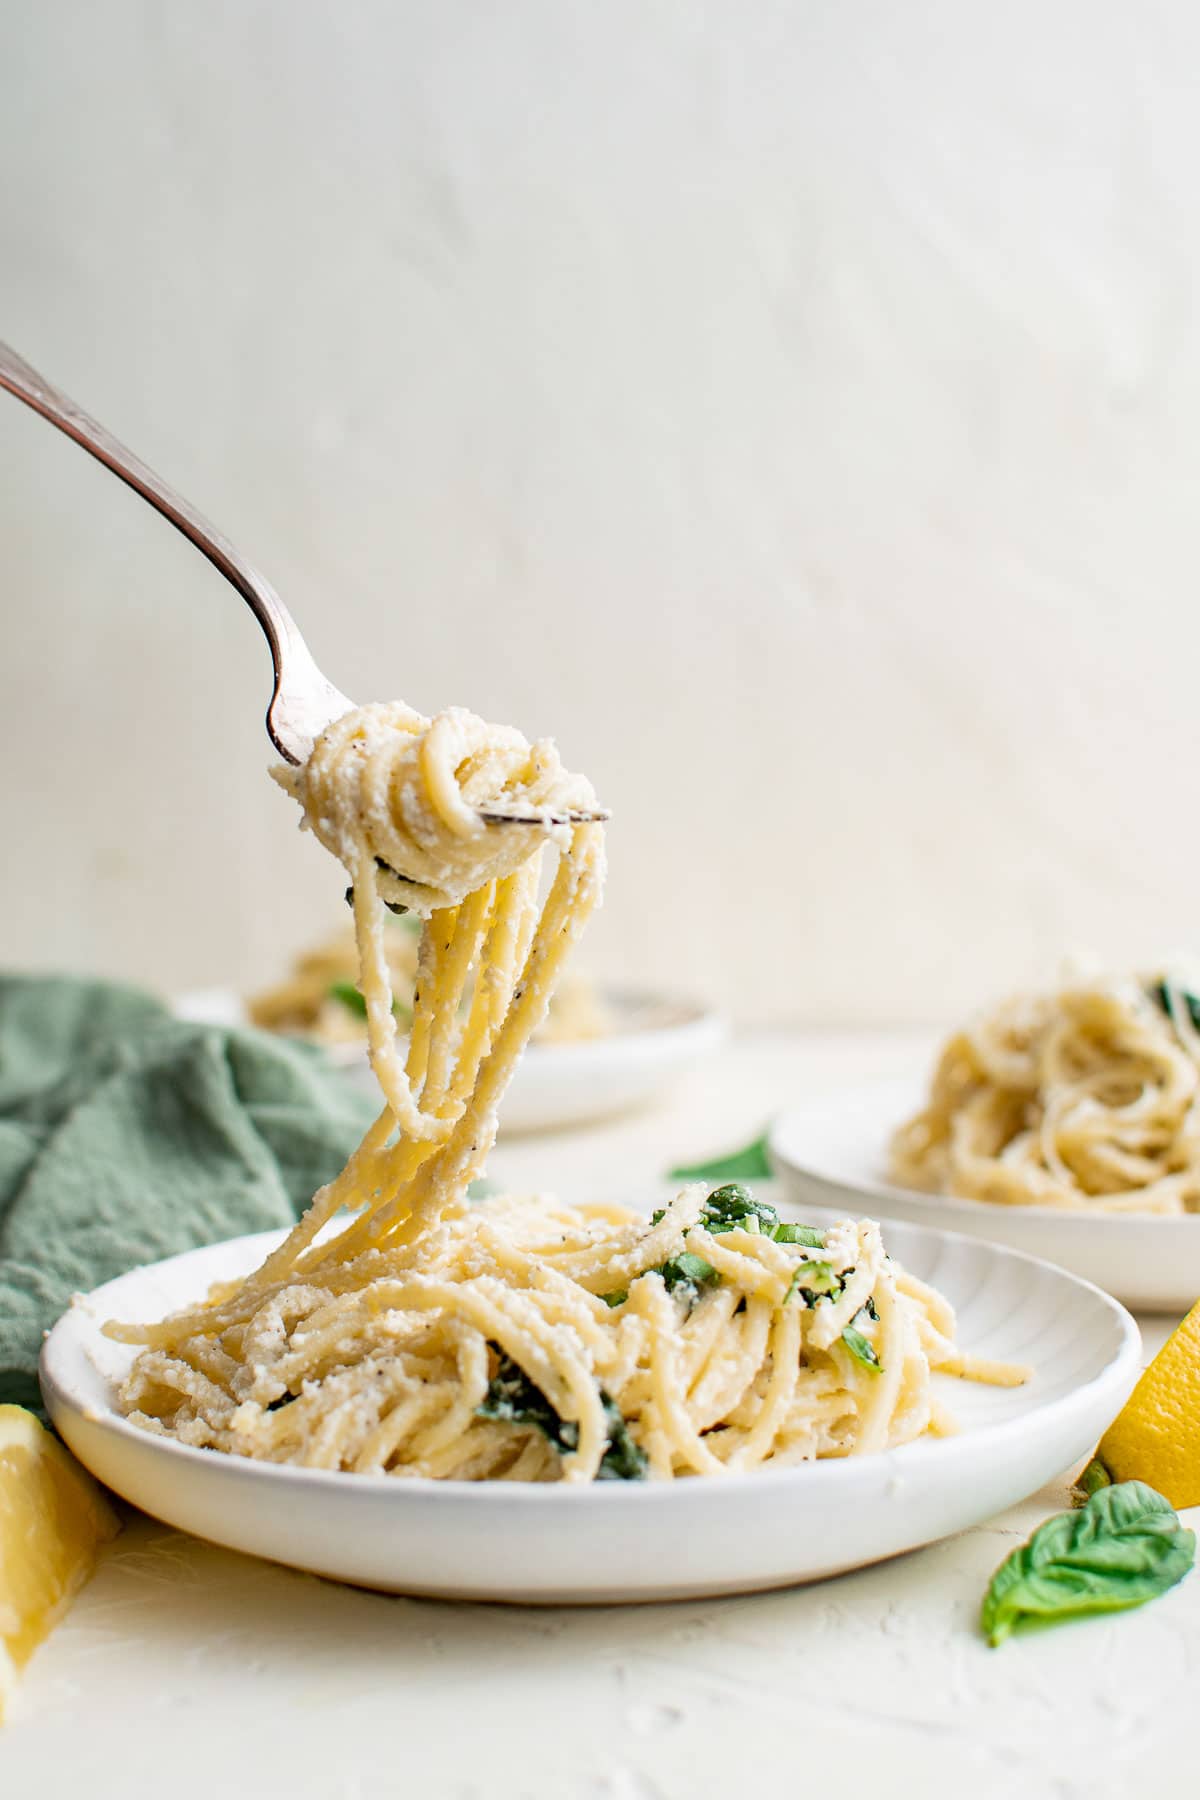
{"points": [[303, 701]]}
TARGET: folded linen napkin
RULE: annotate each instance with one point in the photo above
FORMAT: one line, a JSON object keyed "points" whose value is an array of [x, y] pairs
{"points": [[127, 1135]]}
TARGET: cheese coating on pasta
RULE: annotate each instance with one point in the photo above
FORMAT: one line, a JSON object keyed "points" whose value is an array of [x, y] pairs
{"points": [[401, 1328]]}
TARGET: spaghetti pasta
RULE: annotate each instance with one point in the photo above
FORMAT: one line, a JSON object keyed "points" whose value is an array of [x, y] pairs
{"points": [[318, 998], [400, 1328], [1088, 1097]]}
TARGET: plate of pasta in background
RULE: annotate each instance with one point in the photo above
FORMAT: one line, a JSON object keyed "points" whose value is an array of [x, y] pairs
{"points": [[600, 1052], [1064, 1123]]}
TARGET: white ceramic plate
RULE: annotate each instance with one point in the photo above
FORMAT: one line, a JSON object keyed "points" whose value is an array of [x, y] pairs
{"points": [[616, 1541], [833, 1152], [657, 1039]]}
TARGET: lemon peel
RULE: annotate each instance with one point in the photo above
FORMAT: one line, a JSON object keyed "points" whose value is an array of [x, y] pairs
{"points": [[53, 1518], [1155, 1437]]}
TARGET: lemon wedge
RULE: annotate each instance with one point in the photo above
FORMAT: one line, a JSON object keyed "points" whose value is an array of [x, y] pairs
{"points": [[1155, 1438], [52, 1518]]}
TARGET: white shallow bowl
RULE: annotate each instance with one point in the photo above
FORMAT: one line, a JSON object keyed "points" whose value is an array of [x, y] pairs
{"points": [[617, 1541], [656, 1040], [832, 1151]]}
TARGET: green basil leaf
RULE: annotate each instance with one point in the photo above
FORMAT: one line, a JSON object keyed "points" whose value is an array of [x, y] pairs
{"points": [[812, 1281], [513, 1399], [350, 998], [624, 1460], [1124, 1547], [685, 1275], [747, 1164], [808, 1235], [687, 1268], [733, 1207], [618, 1297], [1159, 994], [860, 1347], [348, 995]]}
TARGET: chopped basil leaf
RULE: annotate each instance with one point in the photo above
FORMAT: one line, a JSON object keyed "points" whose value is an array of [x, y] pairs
{"points": [[618, 1297], [686, 1276], [732, 1206], [799, 1234], [350, 998], [687, 1270], [624, 1460], [513, 1399], [1159, 994], [749, 1163], [860, 1347], [817, 1279], [812, 1281], [1124, 1547]]}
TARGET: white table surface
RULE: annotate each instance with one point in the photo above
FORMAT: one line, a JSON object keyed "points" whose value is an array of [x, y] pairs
{"points": [[191, 1672]]}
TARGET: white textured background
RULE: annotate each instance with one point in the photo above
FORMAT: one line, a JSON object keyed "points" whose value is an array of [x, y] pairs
{"points": [[791, 407]]}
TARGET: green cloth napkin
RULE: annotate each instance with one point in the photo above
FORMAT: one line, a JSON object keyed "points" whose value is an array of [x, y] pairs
{"points": [[127, 1135]]}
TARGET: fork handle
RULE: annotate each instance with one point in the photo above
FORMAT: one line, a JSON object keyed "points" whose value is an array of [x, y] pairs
{"points": [[288, 649]]}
